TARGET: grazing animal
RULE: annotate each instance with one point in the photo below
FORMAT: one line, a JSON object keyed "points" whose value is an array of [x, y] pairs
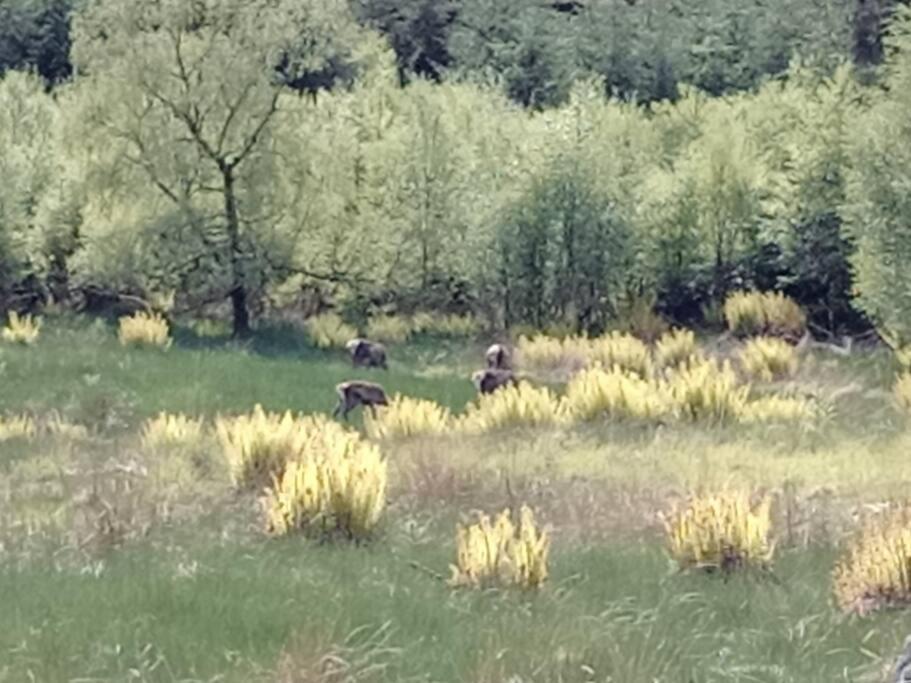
{"points": [[358, 393], [367, 354], [498, 357], [489, 380], [903, 664]]}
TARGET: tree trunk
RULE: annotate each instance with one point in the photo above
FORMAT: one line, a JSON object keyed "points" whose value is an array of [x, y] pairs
{"points": [[238, 294]]}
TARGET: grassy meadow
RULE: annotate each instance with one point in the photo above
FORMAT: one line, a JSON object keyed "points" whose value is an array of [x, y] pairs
{"points": [[121, 562]]}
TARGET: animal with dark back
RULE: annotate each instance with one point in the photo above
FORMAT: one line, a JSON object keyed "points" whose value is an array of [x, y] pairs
{"points": [[367, 354], [489, 380], [358, 393]]}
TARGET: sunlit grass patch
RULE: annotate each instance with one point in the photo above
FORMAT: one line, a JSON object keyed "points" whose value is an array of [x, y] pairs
{"points": [[778, 409], [406, 417], [707, 391], [768, 359], [391, 329], [21, 329], [17, 427], [613, 393], [522, 405], [329, 331], [144, 329], [675, 348], [169, 430], [764, 313]]}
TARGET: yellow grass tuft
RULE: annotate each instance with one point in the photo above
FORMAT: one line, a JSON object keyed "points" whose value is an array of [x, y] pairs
{"points": [[259, 445], [706, 390], [329, 331], [17, 427], [768, 359], [405, 417], [502, 552], [21, 330], [675, 348], [778, 409], [875, 571], [445, 325], [144, 329], [902, 391], [58, 427], [513, 406], [616, 393], [391, 329], [571, 354], [764, 313], [169, 430], [335, 485], [620, 350], [720, 532]]}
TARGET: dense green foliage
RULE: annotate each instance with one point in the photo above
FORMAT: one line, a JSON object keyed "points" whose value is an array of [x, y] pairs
{"points": [[182, 162]]}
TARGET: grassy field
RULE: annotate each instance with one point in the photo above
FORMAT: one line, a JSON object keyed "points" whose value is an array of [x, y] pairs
{"points": [[119, 564]]}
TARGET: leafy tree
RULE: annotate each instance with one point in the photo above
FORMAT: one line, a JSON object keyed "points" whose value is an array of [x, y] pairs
{"points": [[34, 34], [180, 101]]}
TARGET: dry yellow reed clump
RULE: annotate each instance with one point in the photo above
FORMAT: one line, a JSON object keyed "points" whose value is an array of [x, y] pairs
{"points": [[512, 406], [875, 570], [144, 329], [502, 552], [329, 331], [614, 393], [675, 348], [706, 390], [445, 325], [21, 330], [549, 354], [720, 532], [768, 359], [405, 417], [391, 329], [621, 350], [778, 409], [902, 391], [756, 313], [58, 427], [334, 486], [17, 427], [259, 445], [169, 430]]}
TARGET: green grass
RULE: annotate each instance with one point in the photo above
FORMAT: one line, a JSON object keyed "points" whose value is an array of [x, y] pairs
{"points": [[195, 592]]}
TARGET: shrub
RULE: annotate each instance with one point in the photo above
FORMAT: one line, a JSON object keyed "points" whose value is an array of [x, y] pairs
{"points": [[335, 485], [166, 430], [16, 427], [259, 445], [615, 393], [391, 329], [144, 329], [445, 325], [768, 358], [750, 314], [511, 406], [778, 409], [705, 390], [209, 328], [329, 331], [405, 417], [547, 354], [640, 319], [902, 391], [720, 532], [22, 330], [875, 571], [512, 555], [620, 350], [675, 348]]}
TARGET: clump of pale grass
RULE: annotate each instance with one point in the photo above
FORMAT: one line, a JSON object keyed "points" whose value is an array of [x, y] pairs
{"points": [[451, 325], [875, 570], [502, 552], [59, 428], [406, 417], [391, 329], [17, 427], [546, 354], [334, 485], [21, 329], [768, 359], [171, 430], [620, 350], [614, 393], [778, 409], [521, 405], [675, 348], [259, 445], [902, 391], [764, 313], [144, 329], [329, 331], [706, 390], [720, 532]]}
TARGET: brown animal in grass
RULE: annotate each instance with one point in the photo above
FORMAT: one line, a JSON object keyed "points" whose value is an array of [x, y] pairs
{"points": [[358, 393], [498, 357], [367, 354], [489, 380]]}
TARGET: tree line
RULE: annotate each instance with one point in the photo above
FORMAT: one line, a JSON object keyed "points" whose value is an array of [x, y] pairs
{"points": [[256, 154]]}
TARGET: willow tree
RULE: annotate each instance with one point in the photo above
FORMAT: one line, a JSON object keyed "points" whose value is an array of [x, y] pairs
{"points": [[180, 100]]}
